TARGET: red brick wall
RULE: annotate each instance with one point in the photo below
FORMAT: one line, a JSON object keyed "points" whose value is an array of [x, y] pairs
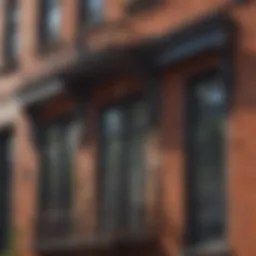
{"points": [[242, 144], [25, 188]]}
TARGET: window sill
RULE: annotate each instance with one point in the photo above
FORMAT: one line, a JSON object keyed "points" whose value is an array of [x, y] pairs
{"points": [[213, 248]]}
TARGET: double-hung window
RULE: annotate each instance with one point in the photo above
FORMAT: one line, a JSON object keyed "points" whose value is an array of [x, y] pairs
{"points": [[57, 146], [206, 159], [122, 172]]}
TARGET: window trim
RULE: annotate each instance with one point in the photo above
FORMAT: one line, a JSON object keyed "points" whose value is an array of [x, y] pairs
{"points": [[222, 244]]}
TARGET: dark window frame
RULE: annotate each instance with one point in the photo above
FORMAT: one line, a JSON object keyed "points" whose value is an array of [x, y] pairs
{"points": [[193, 81]]}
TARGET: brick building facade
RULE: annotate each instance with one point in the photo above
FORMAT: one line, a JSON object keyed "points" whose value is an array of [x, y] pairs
{"points": [[111, 114]]}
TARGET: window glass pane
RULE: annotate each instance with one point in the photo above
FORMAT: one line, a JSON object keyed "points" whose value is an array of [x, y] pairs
{"points": [[55, 156], [124, 134], [57, 162], [137, 139], [4, 189], [112, 164], [93, 10], [139, 116], [208, 153], [14, 43], [15, 35], [53, 18], [136, 182], [73, 134], [12, 22], [44, 171], [66, 162], [70, 144], [113, 123]]}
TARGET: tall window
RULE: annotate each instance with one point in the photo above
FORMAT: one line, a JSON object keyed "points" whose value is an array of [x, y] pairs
{"points": [[206, 170], [4, 190], [58, 141], [50, 21], [11, 31], [91, 11], [122, 171]]}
